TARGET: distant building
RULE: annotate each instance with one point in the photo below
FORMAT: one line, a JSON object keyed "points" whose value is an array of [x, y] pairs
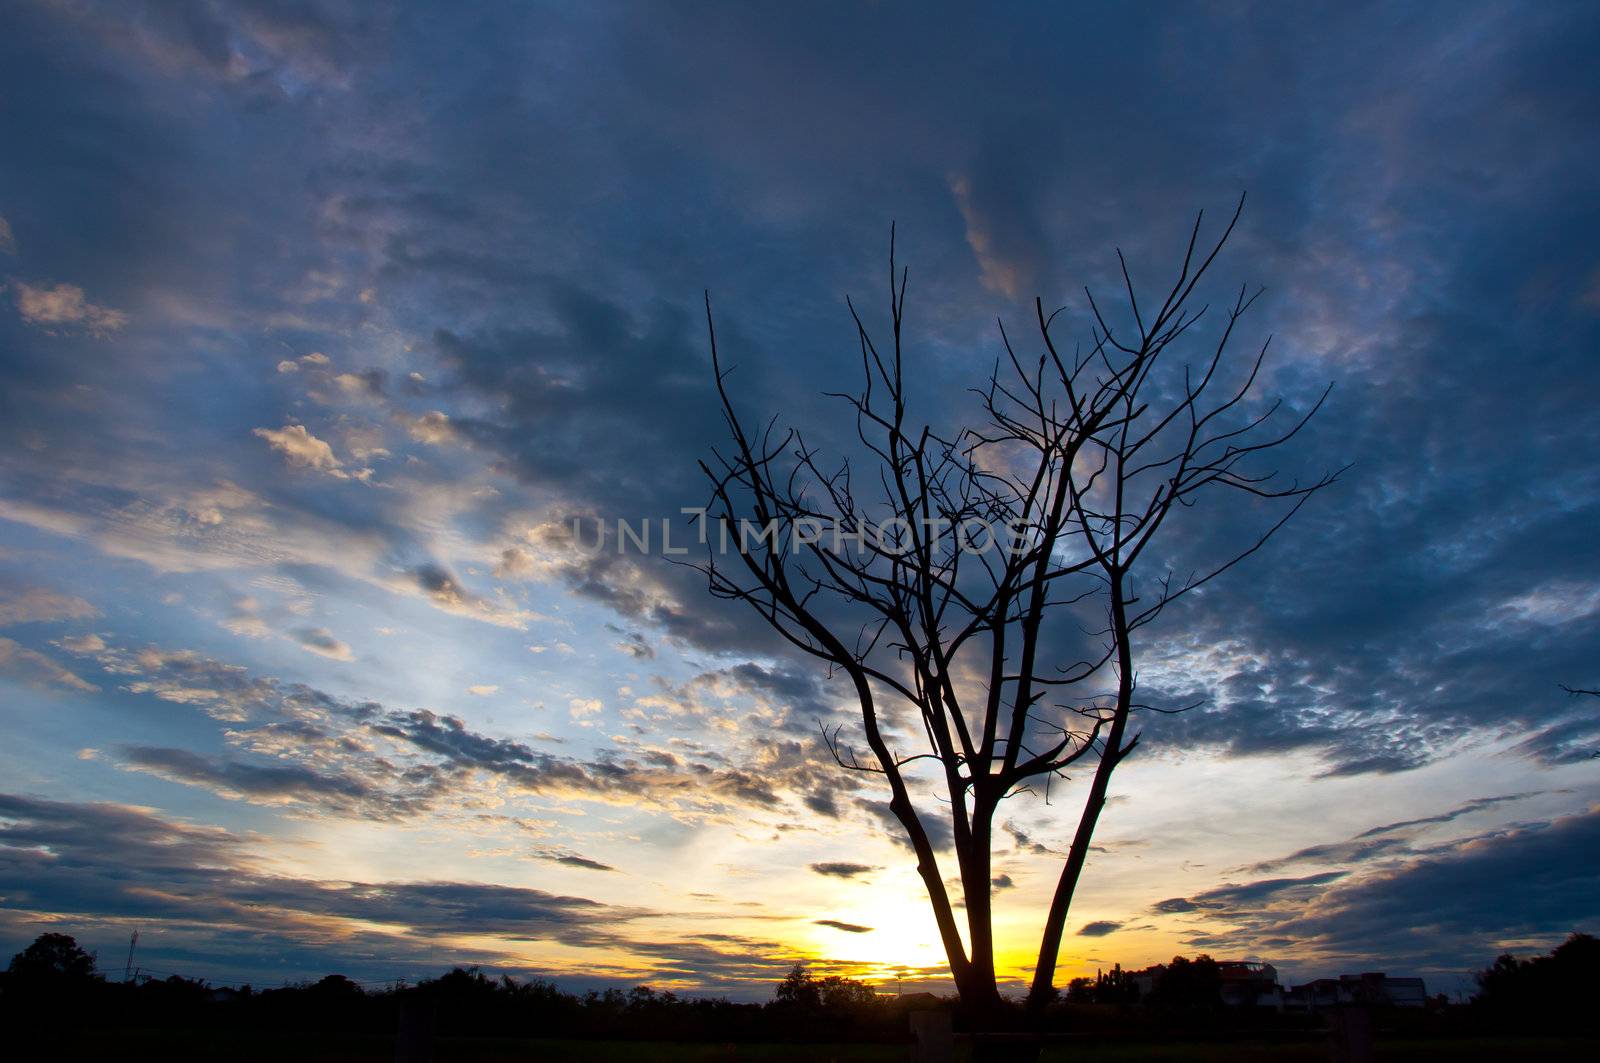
{"points": [[1372, 988], [1243, 983], [1251, 984], [1246, 984], [1406, 992]]}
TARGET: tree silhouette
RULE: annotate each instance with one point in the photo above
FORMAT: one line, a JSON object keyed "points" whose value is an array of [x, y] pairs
{"points": [[52, 958], [1081, 457], [1556, 991], [1188, 985]]}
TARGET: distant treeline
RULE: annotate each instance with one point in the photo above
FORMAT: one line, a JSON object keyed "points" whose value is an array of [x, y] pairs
{"points": [[1559, 990], [54, 977]]}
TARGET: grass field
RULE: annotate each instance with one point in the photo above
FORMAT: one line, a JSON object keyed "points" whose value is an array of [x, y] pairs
{"points": [[126, 1046]]}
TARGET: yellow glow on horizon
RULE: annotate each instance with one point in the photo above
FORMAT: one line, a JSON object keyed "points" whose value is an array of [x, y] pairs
{"points": [[903, 935]]}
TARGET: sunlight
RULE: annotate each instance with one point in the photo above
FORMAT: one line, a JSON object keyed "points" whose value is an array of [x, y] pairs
{"points": [[903, 935]]}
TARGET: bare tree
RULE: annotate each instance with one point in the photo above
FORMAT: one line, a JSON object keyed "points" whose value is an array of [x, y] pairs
{"points": [[1082, 456]]}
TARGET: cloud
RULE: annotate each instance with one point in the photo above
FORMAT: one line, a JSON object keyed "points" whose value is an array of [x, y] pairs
{"points": [[321, 641], [1174, 905], [367, 383], [823, 803], [226, 692], [245, 619], [634, 644], [119, 861], [34, 668], [843, 869], [8, 240], [1098, 929], [442, 588], [1385, 840], [998, 270], [311, 751], [1237, 895], [66, 305], [937, 826], [1445, 908], [432, 428], [247, 51], [574, 860], [304, 450], [848, 928], [239, 780], [24, 605], [82, 644], [1025, 841], [1568, 741], [211, 896]]}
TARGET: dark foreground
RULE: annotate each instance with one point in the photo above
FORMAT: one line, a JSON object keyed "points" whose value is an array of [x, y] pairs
{"points": [[55, 1005], [124, 1045]]}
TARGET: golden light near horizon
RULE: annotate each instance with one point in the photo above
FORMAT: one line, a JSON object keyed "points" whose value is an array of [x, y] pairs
{"points": [[903, 935]]}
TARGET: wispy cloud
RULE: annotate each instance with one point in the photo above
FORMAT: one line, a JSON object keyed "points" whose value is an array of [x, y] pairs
{"points": [[65, 306]]}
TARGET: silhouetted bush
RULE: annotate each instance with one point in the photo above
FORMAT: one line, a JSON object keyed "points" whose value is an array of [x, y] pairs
{"points": [[1556, 992], [1188, 986], [1115, 986]]}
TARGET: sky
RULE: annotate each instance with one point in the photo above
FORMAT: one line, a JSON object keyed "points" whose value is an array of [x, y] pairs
{"points": [[320, 321]]}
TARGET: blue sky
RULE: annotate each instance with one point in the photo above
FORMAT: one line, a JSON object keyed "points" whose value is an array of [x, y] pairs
{"points": [[318, 321]]}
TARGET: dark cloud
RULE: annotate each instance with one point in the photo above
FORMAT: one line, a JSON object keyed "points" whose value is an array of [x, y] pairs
{"points": [[320, 640], [1440, 908], [1384, 840], [1344, 853], [446, 591], [823, 803], [574, 860], [634, 644], [1025, 841], [848, 928], [842, 869], [246, 781], [1240, 895], [1098, 929], [104, 860], [1173, 905], [935, 824]]}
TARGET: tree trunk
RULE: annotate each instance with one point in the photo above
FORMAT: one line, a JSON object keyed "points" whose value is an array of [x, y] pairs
{"points": [[975, 886], [1044, 971]]}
